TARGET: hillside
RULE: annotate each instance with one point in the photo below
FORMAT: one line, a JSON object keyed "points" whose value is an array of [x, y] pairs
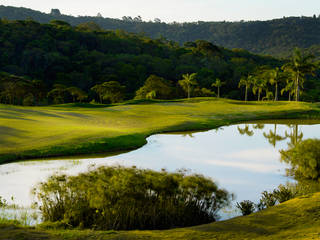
{"points": [[84, 56], [274, 37]]}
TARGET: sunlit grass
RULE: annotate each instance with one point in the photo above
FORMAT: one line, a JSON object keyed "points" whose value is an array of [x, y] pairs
{"points": [[27, 132]]}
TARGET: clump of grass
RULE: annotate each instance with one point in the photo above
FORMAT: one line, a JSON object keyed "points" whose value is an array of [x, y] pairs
{"points": [[118, 198]]}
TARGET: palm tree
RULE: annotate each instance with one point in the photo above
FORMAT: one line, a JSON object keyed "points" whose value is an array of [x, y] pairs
{"points": [[187, 81], [247, 82], [259, 84], [300, 65], [275, 77], [289, 88], [218, 84]]}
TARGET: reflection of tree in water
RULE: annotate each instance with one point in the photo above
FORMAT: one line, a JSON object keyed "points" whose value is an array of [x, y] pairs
{"points": [[245, 131], [304, 158], [188, 134], [258, 126], [295, 136], [272, 136]]}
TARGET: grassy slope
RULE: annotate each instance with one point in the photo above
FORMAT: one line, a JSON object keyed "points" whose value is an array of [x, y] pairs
{"points": [[28, 132], [296, 219]]}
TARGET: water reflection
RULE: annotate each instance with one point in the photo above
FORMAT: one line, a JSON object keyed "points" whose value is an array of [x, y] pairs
{"points": [[294, 134], [244, 159]]}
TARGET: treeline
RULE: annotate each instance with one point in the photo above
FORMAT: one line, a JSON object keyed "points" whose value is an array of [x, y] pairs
{"points": [[274, 37], [118, 198], [72, 63]]}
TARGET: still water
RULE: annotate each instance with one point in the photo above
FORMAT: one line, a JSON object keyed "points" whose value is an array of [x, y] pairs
{"points": [[244, 159]]}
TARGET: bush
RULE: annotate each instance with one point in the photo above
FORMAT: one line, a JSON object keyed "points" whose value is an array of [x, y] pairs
{"points": [[267, 200], [246, 207], [118, 198], [283, 194]]}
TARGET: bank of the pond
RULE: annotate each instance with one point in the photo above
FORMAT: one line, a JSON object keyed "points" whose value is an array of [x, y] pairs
{"points": [[294, 219], [73, 129]]}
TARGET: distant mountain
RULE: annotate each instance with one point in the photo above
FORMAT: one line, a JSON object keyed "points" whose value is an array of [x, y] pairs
{"points": [[275, 37]]}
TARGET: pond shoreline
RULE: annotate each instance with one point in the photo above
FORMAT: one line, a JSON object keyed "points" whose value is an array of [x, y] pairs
{"points": [[125, 143]]}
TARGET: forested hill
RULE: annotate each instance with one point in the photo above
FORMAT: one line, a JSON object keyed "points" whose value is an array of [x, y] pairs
{"points": [[275, 37], [84, 56]]}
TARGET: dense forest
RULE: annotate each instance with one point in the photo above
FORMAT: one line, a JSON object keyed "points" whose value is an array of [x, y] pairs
{"points": [[57, 63], [275, 37]]}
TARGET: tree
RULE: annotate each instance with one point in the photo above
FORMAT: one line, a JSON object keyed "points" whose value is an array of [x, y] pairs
{"points": [[289, 88], [275, 77], [247, 82], [58, 93], [259, 84], [218, 84], [77, 94], [155, 87], [187, 82], [300, 65], [111, 91]]}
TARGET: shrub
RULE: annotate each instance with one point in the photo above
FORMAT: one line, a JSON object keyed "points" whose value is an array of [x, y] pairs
{"points": [[246, 207], [118, 198], [267, 200], [283, 194]]}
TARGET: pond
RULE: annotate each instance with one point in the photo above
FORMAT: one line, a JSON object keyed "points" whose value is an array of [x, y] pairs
{"points": [[244, 159]]}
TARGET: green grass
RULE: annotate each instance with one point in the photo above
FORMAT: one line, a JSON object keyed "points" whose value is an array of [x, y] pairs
{"points": [[296, 219], [28, 132], [71, 129]]}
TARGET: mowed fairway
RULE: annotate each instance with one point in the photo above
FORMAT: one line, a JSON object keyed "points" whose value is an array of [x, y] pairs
{"points": [[28, 132]]}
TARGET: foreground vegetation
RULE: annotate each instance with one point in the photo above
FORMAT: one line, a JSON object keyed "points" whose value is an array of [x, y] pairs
{"points": [[294, 219], [119, 198], [30, 132]]}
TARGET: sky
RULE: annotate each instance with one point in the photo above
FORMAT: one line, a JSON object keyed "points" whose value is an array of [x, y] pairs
{"points": [[177, 10]]}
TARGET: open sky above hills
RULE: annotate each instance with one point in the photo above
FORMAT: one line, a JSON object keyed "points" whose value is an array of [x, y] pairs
{"points": [[178, 10]]}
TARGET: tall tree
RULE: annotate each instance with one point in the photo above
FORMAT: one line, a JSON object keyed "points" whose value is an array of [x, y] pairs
{"points": [[300, 65], [218, 84], [289, 88], [188, 80], [247, 82], [275, 77], [259, 84]]}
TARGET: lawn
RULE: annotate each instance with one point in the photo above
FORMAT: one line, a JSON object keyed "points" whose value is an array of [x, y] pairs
{"points": [[70, 129]]}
